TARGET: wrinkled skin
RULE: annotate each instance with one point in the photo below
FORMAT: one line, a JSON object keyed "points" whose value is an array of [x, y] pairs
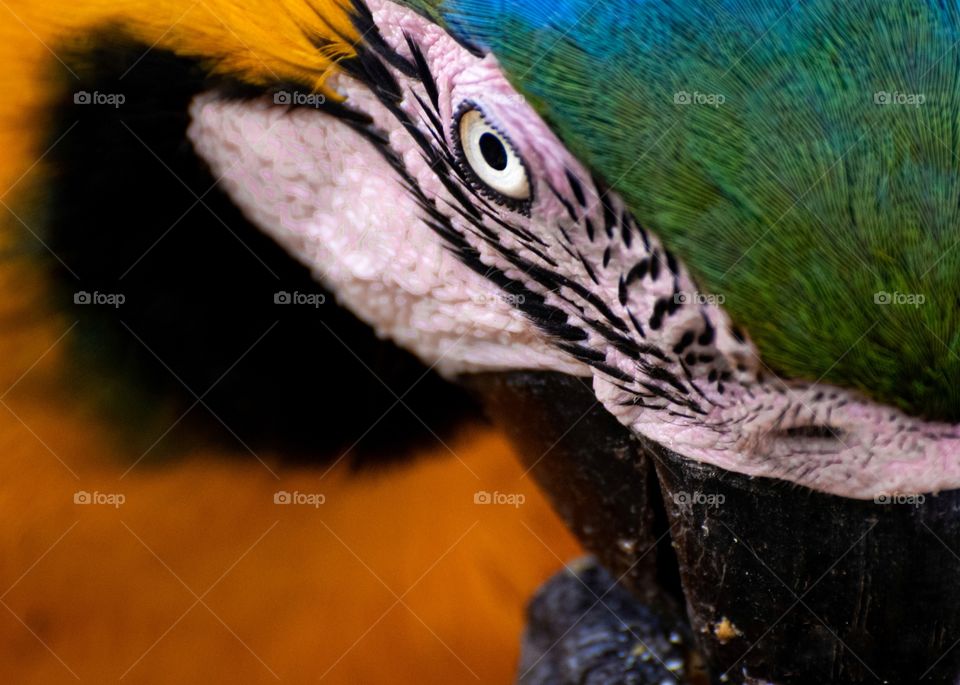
{"points": [[663, 358], [378, 197]]}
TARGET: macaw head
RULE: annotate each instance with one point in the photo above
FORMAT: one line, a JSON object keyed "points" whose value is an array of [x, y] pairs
{"points": [[732, 224], [801, 162]]}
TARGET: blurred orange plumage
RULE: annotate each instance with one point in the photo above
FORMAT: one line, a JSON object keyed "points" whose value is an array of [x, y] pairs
{"points": [[198, 576]]}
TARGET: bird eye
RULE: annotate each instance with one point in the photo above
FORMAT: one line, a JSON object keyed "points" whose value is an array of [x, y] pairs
{"points": [[491, 157]]}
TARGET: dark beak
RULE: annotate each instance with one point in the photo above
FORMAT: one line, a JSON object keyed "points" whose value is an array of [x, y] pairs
{"points": [[771, 582]]}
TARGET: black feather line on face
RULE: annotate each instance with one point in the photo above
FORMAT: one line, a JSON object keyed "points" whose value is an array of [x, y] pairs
{"points": [[363, 22], [474, 214]]}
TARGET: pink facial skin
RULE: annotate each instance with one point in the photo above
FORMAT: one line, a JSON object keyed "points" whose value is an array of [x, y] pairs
{"points": [[331, 198]]}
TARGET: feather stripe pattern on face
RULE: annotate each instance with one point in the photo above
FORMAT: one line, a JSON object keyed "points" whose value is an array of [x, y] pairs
{"points": [[801, 158], [596, 288]]}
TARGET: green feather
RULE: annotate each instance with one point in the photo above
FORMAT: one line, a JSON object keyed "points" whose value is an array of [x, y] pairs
{"points": [[790, 187]]}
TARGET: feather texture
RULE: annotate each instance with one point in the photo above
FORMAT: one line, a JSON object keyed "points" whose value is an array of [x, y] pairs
{"points": [[802, 159]]}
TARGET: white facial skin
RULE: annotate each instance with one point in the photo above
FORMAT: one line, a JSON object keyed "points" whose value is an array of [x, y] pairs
{"points": [[328, 195]]}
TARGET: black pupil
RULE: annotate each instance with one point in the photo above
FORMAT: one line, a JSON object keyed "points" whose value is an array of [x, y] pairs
{"points": [[493, 151]]}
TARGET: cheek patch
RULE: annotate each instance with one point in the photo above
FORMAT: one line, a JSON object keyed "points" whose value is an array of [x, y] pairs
{"points": [[697, 385], [327, 196], [612, 301]]}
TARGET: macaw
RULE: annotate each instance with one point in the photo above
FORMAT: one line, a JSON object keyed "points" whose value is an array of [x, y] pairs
{"points": [[696, 258]]}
